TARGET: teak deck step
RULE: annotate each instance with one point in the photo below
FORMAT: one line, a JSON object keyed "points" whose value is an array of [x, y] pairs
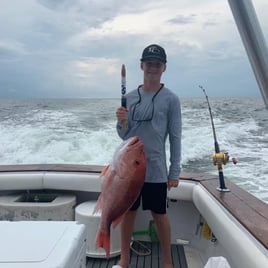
{"points": [[143, 260]]}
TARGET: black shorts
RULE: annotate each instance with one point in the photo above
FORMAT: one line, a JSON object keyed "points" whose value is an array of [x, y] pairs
{"points": [[154, 198]]}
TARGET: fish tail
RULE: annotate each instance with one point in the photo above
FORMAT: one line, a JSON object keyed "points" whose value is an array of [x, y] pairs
{"points": [[103, 241]]}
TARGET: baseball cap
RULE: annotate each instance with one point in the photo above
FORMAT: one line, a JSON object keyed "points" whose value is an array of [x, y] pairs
{"points": [[154, 52]]}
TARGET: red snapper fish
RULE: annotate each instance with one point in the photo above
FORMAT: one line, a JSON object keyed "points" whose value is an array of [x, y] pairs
{"points": [[122, 181]]}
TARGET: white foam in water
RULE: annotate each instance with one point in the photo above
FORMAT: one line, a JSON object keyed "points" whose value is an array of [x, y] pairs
{"points": [[85, 134], [42, 145]]}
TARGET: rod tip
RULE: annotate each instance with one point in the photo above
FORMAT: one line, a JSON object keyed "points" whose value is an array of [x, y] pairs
{"points": [[123, 70]]}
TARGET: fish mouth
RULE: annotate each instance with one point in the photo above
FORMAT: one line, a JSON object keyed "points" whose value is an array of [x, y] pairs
{"points": [[135, 143], [134, 140]]}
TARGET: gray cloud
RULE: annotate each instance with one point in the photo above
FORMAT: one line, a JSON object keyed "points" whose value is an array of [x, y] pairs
{"points": [[71, 48], [181, 19]]}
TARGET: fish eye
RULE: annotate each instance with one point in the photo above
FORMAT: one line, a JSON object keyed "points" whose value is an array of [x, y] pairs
{"points": [[137, 162]]}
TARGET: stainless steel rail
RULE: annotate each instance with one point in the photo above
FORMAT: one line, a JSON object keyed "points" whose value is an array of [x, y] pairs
{"points": [[254, 42]]}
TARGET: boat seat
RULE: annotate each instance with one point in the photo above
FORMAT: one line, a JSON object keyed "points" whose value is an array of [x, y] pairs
{"points": [[72, 181], [21, 181], [50, 180]]}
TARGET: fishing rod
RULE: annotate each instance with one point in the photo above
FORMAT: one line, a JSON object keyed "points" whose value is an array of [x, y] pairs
{"points": [[123, 86], [219, 158], [123, 91]]}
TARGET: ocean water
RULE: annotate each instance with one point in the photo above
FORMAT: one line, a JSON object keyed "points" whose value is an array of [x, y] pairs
{"points": [[82, 131]]}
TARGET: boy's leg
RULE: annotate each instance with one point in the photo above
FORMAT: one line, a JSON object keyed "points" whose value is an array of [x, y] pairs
{"points": [[127, 226], [163, 231]]}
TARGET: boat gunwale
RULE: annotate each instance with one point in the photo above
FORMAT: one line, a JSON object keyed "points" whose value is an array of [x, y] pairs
{"points": [[52, 167]]}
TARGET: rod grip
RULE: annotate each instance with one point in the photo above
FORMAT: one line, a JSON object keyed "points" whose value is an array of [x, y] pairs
{"points": [[124, 101]]}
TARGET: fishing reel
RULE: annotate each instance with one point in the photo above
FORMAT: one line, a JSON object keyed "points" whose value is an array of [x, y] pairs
{"points": [[222, 158]]}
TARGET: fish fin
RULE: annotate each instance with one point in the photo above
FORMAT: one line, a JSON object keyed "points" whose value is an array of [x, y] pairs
{"points": [[104, 171], [103, 241], [98, 205], [108, 178], [118, 220]]}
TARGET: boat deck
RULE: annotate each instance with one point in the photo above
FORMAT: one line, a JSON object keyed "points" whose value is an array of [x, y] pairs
{"points": [[144, 255]]}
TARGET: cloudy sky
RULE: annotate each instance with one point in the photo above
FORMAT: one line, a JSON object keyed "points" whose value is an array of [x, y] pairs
{"points": [[75, 48]]}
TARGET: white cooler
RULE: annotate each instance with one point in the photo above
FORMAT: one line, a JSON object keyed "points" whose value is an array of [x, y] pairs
{"points": [[42, 244], [84, 214]]}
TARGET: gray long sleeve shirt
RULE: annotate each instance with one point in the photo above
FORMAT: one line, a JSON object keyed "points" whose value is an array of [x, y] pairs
{"points": [[153, 117]]}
